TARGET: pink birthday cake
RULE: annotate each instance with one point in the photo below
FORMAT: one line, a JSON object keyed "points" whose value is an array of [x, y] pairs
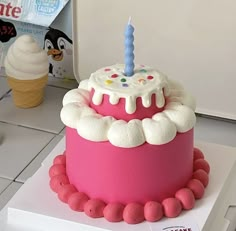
{"points": [[129, 152]]}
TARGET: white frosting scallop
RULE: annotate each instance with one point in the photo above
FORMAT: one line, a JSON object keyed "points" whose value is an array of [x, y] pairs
{"points": [[159, 131], [179, 95], [26, 60], [95, 127], [177, 117], [182, 116], [74, 96], [126, 134], [84, 84], [71, 113]]}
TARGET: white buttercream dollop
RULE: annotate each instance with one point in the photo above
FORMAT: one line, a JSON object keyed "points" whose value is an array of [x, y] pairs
{"points": [[71, 113], [25, 60], [180, 95], [84, 84], [182, 116], [126, 134], [94, 127], [177, 117], [159, 131], [74, 96]]}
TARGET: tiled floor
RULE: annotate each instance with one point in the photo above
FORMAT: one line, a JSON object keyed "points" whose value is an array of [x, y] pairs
{"points": [[28, 135]]}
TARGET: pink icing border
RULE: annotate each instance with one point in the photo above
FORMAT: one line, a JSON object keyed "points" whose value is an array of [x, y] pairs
{"points": [[132, 213]]}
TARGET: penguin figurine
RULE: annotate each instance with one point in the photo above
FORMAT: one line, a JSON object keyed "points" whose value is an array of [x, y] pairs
{"points": [[59, 50]]}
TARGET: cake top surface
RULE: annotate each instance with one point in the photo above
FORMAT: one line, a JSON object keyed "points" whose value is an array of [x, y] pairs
{"points": [[26, 60], [177, 116], [144, 83]]}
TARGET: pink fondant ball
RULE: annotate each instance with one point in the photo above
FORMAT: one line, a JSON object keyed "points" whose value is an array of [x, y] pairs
{"points": [[133, 213], [202, 176], [153, 211], [65, 192], [58, 181], [186, 198], [57, 169], [172, 207], [94, 208], [60, 159], [201, 164], [196, 187], [197, 154], [77, 201], [113, 212]]}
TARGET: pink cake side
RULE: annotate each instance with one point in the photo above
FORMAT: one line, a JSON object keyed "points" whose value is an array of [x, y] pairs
{"points": [[134, 212], [113, 174]]}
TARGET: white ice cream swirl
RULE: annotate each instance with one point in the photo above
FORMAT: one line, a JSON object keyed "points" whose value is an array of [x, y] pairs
{"points": [[25, 60]]}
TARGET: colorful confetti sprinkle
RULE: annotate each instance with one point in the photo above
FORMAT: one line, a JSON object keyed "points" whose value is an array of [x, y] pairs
{"points": [[123, 80], [143, 70], [107, 69], [108, 82], [142, 81], [125, 85], [114, 76], [150, 77]]}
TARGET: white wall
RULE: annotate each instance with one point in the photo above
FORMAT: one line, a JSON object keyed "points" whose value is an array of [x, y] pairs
{"points": [[193, 41]]}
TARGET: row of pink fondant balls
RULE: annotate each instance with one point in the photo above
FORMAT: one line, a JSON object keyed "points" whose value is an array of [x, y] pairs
{"points": [[131, 213]]}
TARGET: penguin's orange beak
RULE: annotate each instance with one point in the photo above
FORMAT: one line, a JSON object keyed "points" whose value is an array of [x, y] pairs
{"points": [[57, 55]]}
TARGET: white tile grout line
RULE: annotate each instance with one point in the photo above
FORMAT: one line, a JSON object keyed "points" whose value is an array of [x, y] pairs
{"points": [[5, 94], [12, 181], [60, 87], [55, 134], [34, 158], [221, 119], [36, 129]]}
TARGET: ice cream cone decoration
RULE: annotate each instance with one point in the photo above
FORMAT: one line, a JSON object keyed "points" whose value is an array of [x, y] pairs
{"points": [[27, 72], [27, 93]]}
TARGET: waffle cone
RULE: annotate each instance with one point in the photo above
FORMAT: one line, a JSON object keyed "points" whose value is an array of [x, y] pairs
{"points": [[27, 93]]}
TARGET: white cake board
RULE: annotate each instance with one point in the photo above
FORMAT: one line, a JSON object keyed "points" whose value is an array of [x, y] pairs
{"points": [[36, 208]]}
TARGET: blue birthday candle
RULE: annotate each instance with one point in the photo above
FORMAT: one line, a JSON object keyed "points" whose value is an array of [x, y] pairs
{"points": [[129, 49]]}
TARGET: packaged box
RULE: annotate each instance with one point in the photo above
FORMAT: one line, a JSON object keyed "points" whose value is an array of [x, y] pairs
{"points": [[49, 22]]}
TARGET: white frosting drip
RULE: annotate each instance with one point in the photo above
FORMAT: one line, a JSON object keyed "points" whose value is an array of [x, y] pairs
{"points": [[160, 100], [130, 104], [114, 99], [177, 116], [26, 60], [146, 101], [144, 83]]}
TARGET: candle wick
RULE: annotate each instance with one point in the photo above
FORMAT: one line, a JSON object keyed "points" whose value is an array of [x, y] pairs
{"points": [[129, 22]]}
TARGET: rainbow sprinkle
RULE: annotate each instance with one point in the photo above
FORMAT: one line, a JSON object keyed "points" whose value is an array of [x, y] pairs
{"points": [[108, 82]]}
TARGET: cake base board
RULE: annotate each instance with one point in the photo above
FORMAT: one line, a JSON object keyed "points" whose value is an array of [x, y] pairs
{"points": [[36, 208]]}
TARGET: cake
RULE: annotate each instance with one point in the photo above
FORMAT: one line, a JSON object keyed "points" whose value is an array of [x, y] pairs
{"points": [[26, 66], [130, 151]]}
